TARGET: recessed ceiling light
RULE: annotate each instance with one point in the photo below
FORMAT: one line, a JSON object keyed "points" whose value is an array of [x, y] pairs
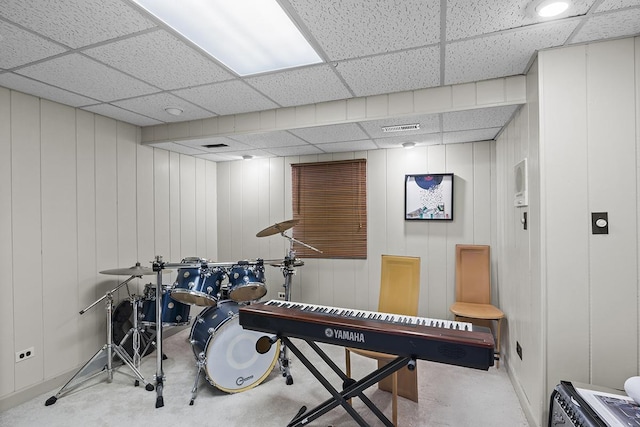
{"points": [[174, 111], [248, 36], [550, 8], [401, 128], [408, 145]]}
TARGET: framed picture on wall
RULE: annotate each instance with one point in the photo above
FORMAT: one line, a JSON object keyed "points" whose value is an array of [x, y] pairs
{"points": [[428, 197]]}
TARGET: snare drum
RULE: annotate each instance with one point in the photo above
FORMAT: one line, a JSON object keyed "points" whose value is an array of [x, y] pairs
{"points": [[199, 286], [231, 362], [174, 313], [247, 283]]}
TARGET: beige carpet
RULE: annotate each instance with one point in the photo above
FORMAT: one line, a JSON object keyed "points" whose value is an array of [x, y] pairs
{"points": [[449, 396]]}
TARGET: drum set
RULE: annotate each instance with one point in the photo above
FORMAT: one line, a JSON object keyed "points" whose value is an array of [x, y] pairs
{"points": [[222, 349]]}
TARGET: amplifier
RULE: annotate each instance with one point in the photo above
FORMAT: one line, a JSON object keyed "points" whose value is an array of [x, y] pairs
{"points": [[581, 405]]}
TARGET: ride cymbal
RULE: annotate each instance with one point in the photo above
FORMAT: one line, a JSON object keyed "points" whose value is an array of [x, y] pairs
{"points": [[136, 270], [277, 228]]}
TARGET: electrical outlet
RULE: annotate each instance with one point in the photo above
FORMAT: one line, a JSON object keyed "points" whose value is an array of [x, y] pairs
{"points": [[519, 350], [25, 354], [281, 295]]}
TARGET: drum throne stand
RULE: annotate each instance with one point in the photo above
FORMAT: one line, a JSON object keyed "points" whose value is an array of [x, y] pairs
{"points": [[108, 351]]}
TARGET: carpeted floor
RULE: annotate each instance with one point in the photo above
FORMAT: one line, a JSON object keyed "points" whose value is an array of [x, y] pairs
{"points": [[449, 396]]}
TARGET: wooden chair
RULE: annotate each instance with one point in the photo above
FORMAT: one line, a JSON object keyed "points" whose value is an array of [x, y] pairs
{"points": [[473, 290], [399, 291]]}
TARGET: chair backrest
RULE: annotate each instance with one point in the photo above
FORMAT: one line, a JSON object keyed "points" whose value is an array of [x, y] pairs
{"points": [[399, 285], [473, 274]]}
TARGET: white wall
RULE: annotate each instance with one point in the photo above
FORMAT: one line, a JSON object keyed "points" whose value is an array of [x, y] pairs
{"points": [[79, 194], [571, 297], [254, 195]]}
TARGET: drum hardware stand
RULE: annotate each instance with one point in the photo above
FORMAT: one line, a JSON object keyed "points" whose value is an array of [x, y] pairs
{"points": [[109, 348], [135, 333], [288, 271]]}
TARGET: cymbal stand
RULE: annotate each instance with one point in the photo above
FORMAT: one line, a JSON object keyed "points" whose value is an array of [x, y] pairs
{"points": [[109, 348], [288, 271]]}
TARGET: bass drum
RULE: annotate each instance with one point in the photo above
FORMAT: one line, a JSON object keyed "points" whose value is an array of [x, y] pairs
{"points": [[228, 352]]}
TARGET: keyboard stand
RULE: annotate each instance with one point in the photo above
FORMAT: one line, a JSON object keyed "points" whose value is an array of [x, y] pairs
{"points": [[351, 388]]}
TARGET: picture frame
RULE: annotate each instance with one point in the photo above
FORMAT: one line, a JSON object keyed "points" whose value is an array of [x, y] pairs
{"points": [[428, 197]]}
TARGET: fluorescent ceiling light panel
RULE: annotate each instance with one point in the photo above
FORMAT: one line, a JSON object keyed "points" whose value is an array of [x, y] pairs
{"points": [[248, 36]]}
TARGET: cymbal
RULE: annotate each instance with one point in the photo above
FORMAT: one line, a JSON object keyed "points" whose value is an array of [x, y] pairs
{"points": [[277, 228], [296, 263], [136, 270]]}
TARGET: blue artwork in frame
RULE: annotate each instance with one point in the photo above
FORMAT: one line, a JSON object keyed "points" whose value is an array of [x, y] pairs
{"points": [[428, 197]]}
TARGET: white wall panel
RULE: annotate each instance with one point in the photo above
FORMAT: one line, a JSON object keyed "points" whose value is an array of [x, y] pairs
{"points": [[26, 233], [188, 206], [162, 205], [127, 203], [564, 206], [377, 221], [59, 238], [175, 210], [145, 207], [200, 186], [211, 211], [610, 110], [92, 323], [223, 177], [7, 358]]}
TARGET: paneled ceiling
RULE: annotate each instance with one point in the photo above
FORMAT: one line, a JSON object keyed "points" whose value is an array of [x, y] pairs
{"points": [[112, 58]]}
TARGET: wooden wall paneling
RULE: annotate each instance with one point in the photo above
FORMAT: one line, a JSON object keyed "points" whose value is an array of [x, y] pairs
{"points": [[7, 353], [611, 120], [248, 198], [377, 222], [224, 210], [59, 238], [418, 231], [126, 165], [27, 238], [460, 230], [162, 207], [564, 207], [211, 211], [200, 204], [106, 202], [482, 191], [277, 207], [236, 245], [396, 235], [145, 209], [92, 323], [188, 206], [175, 210]]}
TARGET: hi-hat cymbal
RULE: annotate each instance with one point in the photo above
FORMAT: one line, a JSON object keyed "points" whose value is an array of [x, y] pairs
{"points": [[136, 270], [277, 228], [288, 263]]}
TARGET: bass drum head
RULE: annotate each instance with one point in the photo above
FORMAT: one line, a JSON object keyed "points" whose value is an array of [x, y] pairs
{"points": [[232, 362]]}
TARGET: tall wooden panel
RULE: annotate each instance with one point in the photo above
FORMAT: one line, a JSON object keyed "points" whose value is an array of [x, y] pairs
{"points": [[59, 238], [27, 239], [7, 358]]}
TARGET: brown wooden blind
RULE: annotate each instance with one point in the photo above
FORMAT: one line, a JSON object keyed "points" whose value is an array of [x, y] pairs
{"points": [[330, 201]]}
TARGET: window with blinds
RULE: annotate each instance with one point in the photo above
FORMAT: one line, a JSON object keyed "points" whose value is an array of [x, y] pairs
{"points": [[330, 202]]}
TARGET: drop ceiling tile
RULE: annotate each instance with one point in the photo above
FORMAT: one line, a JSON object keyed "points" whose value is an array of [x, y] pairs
{"points": [[469, 18], [394, 72], [298, 150], [341, 147], [232, 97], [21, 47], [35, 88], [615, 24], [160, 59], [301, 86], [429, 123], [269, 139], [80, 74], [484, 58], [470, 135], [215, 157], [397, 141], [237, 155], [347, 29], [477, 119], [154, 105], [334, 133], [108, 110], [616, 4], [77, 23]]}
